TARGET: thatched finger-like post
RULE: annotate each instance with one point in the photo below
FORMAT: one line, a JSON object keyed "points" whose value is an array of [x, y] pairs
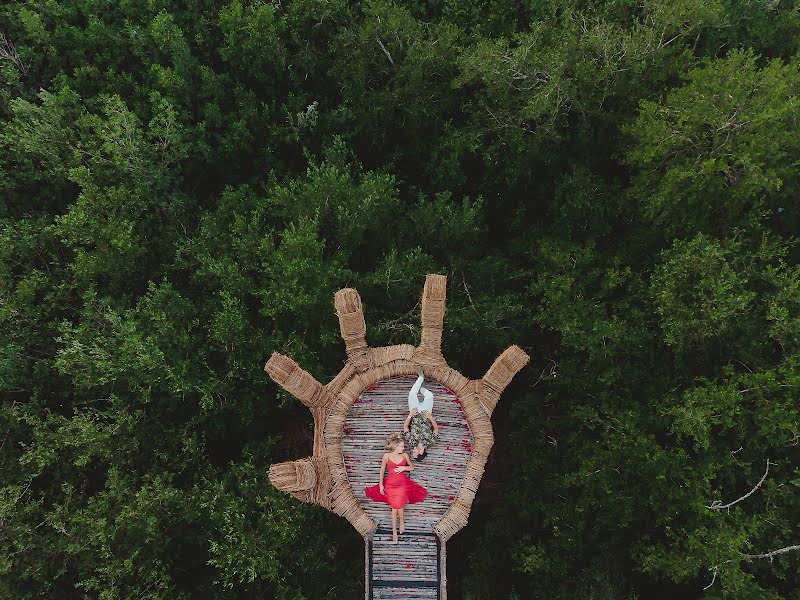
{"points": [[298, 382], [298, 477], [499, 375], [352, 327], [429, 351]]}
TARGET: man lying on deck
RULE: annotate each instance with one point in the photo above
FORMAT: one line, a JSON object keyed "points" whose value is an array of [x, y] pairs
{"points": [[420, 428]]}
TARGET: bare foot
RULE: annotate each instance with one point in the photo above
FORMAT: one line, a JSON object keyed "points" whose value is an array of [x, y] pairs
{"points": [[402, 527], [394, 537]]}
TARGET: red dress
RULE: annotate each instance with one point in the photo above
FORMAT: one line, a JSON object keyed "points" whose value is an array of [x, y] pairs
{"points": [[399, 489]]}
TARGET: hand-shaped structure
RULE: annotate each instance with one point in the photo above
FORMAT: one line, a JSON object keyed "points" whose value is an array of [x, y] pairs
{"points": [[333, 476]]}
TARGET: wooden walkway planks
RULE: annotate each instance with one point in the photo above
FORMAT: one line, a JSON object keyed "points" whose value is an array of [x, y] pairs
{"points": [[410, 569], [404, 593], [413, 559]]}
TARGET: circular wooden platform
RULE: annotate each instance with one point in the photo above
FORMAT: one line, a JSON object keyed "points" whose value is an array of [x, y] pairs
{"points": [[381, 410]]}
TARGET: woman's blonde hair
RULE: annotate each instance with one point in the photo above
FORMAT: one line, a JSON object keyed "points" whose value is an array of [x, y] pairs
{"points": [[393, 440]]}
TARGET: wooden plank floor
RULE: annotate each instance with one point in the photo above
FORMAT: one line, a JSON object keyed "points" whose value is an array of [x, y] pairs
{"points": [[408, 570], [377, 412], [415, 559]]}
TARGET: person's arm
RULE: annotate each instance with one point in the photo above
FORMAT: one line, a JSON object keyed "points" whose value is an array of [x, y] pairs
{"points": [[433, 422], [409, 466], [406, 423], [383, 470]]}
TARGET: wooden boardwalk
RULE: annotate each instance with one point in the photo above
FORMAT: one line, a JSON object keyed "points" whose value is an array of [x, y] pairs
{"points": [[413, 568], [408, 570]]}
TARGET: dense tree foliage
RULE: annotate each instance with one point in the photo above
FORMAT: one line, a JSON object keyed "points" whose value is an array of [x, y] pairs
{"points": [[612, 185]]}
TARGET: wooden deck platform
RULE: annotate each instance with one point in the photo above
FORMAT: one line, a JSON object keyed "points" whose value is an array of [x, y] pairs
{"points": [[413, 568]]}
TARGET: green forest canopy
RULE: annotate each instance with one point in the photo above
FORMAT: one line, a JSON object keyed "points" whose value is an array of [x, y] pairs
{"points": [[612, 185]]}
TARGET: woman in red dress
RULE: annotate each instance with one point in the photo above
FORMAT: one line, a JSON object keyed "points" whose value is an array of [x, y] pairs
{"points": [[397, 490]]}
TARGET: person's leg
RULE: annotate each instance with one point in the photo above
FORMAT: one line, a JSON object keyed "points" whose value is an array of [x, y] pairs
{"points": [[413, 402], [402, 524], [394, 525], [427, 404]]}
